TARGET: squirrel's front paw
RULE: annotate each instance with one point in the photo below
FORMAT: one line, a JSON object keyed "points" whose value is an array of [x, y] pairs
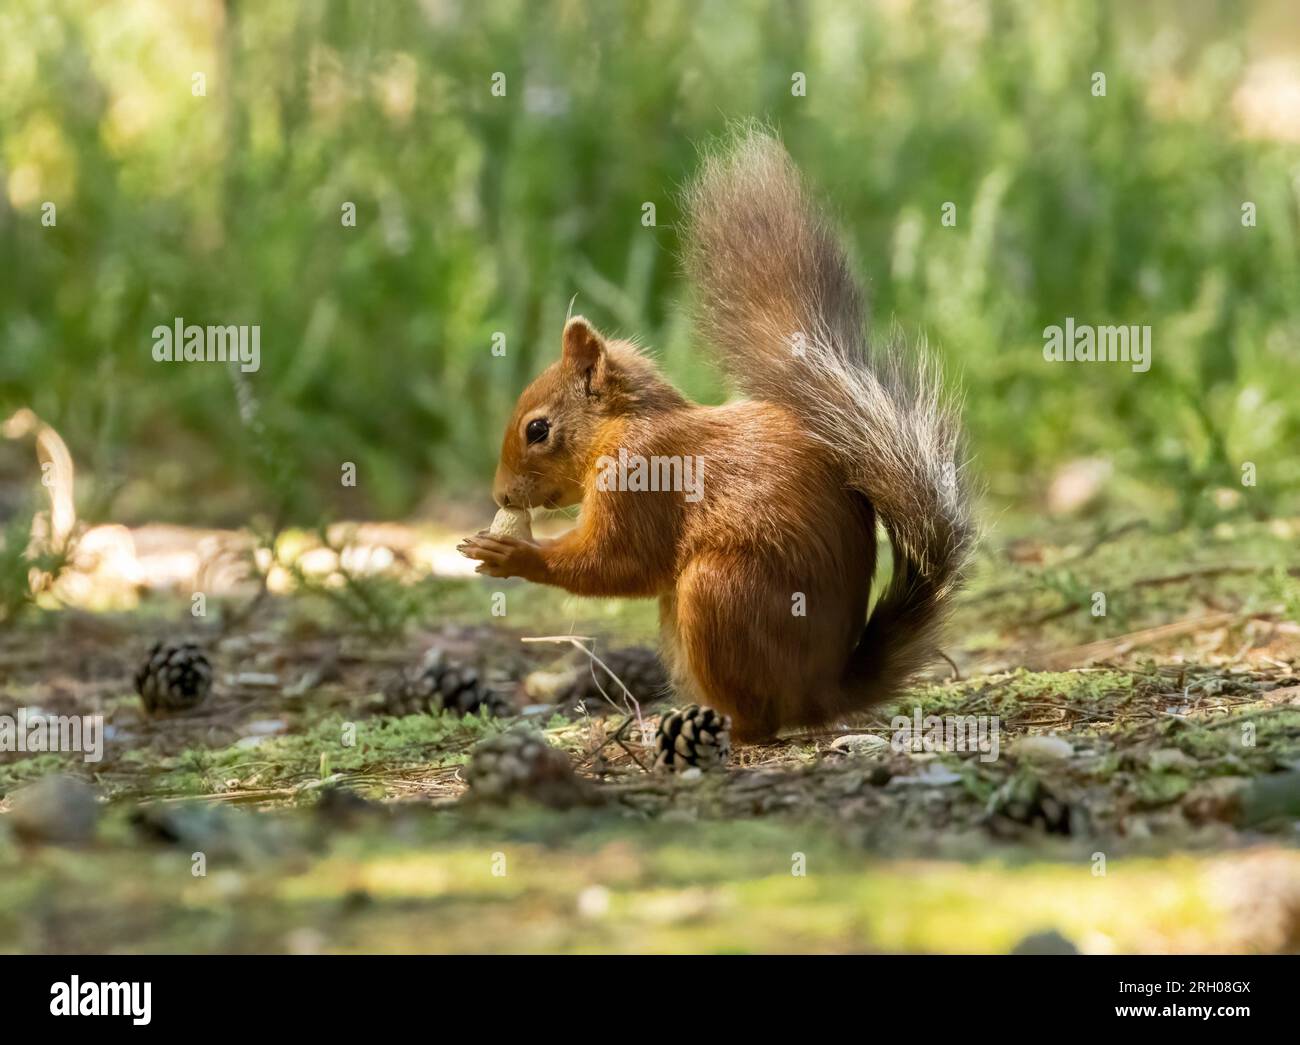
{"points": [[500, 555]]}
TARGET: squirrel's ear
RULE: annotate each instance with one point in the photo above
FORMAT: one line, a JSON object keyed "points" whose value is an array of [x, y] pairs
{"points": [[584, 352]]}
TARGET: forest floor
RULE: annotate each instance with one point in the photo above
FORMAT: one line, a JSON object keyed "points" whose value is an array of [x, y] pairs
{"points": [[1165, 817]]}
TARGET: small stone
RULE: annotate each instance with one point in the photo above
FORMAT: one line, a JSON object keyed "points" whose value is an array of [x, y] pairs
{"points": [[860, 744], [1043, 749], [57, 809]]}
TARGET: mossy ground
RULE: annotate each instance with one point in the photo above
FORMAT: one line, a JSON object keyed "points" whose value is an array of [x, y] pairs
{"points": [[1174, 829]]}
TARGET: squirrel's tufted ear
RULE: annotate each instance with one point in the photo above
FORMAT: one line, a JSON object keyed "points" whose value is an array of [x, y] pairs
{"points": [[585, 353]]}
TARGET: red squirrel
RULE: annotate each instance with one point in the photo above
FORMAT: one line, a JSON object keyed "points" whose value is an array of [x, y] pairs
{"points": [[764, 576]]}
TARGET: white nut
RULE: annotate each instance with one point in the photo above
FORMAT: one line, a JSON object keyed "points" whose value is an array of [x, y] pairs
{"points": [[512, 522]]}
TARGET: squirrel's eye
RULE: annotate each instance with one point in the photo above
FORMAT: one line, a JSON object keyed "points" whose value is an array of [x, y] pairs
{"points": [[538, 429]]}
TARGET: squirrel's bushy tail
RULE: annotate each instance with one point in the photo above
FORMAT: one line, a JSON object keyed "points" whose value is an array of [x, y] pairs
{"points": [[778, 299]]}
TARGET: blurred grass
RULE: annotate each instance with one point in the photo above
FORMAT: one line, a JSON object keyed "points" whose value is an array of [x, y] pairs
{"points": [[479, 214], [429, 886]]}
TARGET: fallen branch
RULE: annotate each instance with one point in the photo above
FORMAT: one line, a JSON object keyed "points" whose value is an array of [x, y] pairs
{"points": [[1199, 573], [1121, 644], [576, 641]]}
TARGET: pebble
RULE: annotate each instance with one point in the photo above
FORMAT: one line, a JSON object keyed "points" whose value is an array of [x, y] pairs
{"points": [[57, 809], [860, 744], [1043, 749]]}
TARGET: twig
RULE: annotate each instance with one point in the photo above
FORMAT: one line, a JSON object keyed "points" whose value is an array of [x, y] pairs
{"points": [[1159, 581], [617, 738], [1107, 536], [576, 641], [1123, 643], [1104, 537]]}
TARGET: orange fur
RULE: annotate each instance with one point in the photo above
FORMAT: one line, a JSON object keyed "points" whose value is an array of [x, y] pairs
{"points": [[726, 568], [794, 478]]}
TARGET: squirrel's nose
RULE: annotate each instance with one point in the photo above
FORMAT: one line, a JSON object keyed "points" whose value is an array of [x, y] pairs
{"points": [[501, 494], [503, 489], [506, 489]]}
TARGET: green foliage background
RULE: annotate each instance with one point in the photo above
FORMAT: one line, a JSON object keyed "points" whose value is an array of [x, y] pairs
{"points": [[479, 214]]}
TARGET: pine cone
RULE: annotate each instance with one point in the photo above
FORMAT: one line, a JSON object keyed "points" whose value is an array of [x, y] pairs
{"points": [[174, 677], [436, 684], [693, 736], [521, 763]]}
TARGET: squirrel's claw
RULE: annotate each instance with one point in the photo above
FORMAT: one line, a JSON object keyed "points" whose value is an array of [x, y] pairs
{"points": [[502, 556], [469, 544]]}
